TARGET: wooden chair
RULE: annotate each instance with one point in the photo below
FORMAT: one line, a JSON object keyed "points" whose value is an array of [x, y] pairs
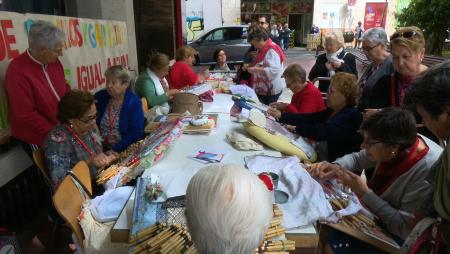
{"points": [[68, 201], [144, 104], [39, 160], [82, 174]]}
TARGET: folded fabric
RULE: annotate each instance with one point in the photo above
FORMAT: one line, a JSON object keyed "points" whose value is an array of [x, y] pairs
{"points": [[244, 91], [307, 201], [241, 142], [108, 206]]}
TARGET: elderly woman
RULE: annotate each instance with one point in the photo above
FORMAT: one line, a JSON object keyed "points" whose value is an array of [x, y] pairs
{"points": [[338, 125], [221, 61], [306, 99], [35, 83], [429, 95], [374, 47], [402, 160], [120, 114], [336, 59], [267, 66], [407, 49], [75, 138], [181, 73], [228, 210], [152, 84]]}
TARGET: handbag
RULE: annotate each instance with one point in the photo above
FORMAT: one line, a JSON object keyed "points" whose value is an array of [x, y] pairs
{"points": [[425, 238], [189, 102]]}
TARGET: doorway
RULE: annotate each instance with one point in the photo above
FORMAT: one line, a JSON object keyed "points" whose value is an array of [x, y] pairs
{"points": [[295, 23]]}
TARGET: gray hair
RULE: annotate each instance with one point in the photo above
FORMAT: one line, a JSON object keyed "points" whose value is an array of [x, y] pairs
{"points": [[44, 34], [334, 38], [228, 210], [375, 36]]}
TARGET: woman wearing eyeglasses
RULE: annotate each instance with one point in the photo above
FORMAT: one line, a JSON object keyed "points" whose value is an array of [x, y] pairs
{"points": [[402, 160], [120, 114], [374, 47], [75, 138], [407, 49]]}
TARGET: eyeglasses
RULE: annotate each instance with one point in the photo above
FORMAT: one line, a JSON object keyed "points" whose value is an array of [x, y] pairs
{"points": [[406, 35], [370, 144], [368, 49], [89, 119]]}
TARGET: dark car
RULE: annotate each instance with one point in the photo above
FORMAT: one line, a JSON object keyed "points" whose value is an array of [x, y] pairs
{"points": [[233, 39]]}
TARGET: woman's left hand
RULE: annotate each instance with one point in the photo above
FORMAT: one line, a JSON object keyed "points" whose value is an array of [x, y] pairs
{"points": [[353, 181], [291, 128], [254, 70], [336, 64], [272, 111]]}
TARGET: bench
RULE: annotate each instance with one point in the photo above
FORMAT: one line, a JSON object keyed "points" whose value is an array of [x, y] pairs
{"points": [[430, 60]]}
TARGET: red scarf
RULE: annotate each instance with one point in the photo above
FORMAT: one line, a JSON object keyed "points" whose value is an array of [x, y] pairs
{"points": [[403, 84], [262, 52], [389, 172]]}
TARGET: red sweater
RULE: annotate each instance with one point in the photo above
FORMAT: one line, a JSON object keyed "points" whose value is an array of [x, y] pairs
{"points": [[181, 75], [33, 104], [308, 100]]}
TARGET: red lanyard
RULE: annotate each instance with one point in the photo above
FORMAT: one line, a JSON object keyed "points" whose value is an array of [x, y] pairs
{"points": [[112, 120], [80, 141]]}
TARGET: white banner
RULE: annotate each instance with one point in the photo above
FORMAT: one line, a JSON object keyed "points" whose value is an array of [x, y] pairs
{"points": [[90, 47]]}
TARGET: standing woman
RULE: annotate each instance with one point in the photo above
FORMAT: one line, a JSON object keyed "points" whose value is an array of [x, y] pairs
{"points": [[407, 49], [374, 47], [120, 114], [152, 84], [429, 95], [267, 67]]}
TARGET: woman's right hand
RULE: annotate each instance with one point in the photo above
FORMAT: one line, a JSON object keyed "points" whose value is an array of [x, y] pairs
{"points": [[172, 92], [101, 159], [325, 170], [279, 105], [274, 112]]}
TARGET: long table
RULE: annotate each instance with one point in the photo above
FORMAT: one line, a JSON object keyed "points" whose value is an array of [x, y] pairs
{"points": [[176, 169]]}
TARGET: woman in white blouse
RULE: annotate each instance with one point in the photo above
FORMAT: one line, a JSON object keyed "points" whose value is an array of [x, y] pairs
{"points": [[267, 66]]}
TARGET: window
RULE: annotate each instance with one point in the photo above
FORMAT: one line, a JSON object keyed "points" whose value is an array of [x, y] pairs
{"points": [[216, 35], [234, 33]]}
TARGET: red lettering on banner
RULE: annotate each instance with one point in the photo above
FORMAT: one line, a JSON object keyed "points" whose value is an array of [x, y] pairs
{"points": [[6, 40], [76, 40], [90, 78]]}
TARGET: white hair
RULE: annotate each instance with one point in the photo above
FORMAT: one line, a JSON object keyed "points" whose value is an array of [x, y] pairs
{"points": [[228, 210], [375, 36], [44, 34], [334, 38]]}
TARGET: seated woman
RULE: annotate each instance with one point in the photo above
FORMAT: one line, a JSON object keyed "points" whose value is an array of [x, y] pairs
{"points": [[120, 114], [338, 125], [429, 95], [267, 66], [407, 49], [402, 160], [306, 99], [152, 84], [237, 227], [335, 60], [181, 73], [374, 47], [221, 58], [75, 138]]}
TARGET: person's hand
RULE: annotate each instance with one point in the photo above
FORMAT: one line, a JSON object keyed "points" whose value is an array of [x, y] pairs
{"points": [[325, 170], [336, 64], [101, 159], [254, 70], [279, 105], [245, 67], [329, 66], [369, 112], [274, 112], [291, 128], [172, 92], [355, 182]]}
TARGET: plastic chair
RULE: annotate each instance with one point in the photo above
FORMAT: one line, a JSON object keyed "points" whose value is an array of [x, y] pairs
{"points": [[39, 160], [82, 175], [144, 104], [68, 201]]}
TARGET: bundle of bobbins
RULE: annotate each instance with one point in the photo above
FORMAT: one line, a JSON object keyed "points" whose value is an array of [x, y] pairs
{"points": [[163, 239], [355, 221], [276, 229]]}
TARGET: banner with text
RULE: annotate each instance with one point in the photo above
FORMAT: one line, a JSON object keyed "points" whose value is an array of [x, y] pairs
{"points": [[375, 15], [90, 47]]}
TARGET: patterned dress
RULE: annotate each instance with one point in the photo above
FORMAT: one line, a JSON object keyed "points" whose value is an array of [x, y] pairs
{"points": [[63, 151]]}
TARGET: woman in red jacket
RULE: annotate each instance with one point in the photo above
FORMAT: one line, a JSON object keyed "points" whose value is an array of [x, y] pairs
{"points": [[181, 73]]}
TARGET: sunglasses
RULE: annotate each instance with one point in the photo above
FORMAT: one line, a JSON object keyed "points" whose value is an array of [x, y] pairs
{"points": [[406, 35]]}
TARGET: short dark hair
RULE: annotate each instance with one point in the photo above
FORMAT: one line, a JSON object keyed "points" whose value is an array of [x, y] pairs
{"points": [[259, 34], [266, 17], [392, 126], [431, 90], [74, 104], [217, 52]]}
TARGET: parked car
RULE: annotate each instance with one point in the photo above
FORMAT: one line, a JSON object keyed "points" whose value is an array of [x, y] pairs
{"points": [[233, 39]]}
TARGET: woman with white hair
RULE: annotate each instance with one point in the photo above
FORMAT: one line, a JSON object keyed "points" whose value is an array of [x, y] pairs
{"points": [[35, 84], [228, 210], [335, 59], [374, 47]]}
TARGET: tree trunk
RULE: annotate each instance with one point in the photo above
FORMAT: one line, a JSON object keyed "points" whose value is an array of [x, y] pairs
{"points": [[435, 42]]}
